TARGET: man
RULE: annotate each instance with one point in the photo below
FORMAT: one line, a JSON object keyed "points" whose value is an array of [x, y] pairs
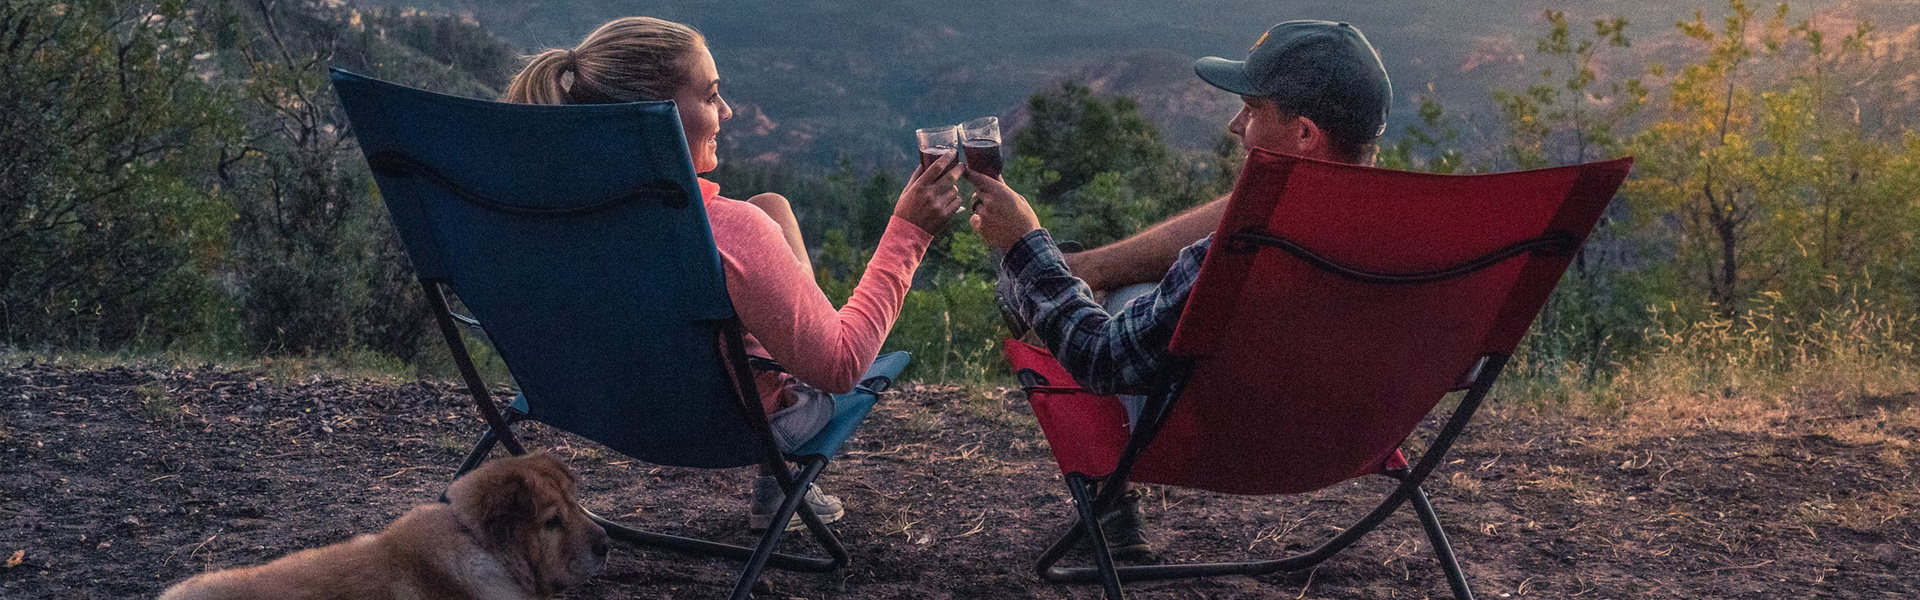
{"points": [[1309, 88]]}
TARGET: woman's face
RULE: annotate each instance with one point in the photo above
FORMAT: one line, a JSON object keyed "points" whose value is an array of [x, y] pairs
{"points": [[702, 110]]}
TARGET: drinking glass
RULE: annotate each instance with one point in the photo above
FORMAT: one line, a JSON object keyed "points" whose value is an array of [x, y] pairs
{"points": [[936, 142], [981, 142]]}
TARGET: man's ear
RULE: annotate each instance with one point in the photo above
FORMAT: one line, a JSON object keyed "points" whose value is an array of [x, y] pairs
{"points": [[1313, 141]]}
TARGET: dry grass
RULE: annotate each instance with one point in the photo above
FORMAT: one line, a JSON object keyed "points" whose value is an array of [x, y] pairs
{"points": [[281, 370], [1865, 512], [1742, 375]]}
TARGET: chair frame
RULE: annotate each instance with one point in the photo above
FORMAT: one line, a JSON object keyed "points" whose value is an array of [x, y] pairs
{"points": [[1093, 496], [731, 346]]}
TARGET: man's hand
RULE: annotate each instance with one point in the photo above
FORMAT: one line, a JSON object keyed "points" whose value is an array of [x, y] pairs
{"points": [[931, 196], [1000, 215]]}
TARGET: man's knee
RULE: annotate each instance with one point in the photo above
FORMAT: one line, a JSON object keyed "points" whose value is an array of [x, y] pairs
{"points": [[1117, 299]]}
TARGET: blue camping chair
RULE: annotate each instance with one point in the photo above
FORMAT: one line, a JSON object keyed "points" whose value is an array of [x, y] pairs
{"points": [[577, 235]]}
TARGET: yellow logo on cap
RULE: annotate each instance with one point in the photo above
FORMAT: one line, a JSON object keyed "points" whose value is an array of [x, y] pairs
{"points": [[1262, 40]]}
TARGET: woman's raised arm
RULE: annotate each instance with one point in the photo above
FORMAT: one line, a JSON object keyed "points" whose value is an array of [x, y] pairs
{"points": [[781, 305]]}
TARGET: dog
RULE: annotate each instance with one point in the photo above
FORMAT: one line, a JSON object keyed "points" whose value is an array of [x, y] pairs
{"points": [[509, 530]]}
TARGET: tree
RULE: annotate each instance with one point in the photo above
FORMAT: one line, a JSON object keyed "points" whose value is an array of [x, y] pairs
{"points": [[1567, 116], [1431, 146], [1104, 169], [301, 238], [107, 231], [1079, 136], [1732, 159], [1563, 118]]}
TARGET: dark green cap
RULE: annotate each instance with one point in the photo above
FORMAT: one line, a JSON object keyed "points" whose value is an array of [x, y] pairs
{"points": [[1321, 70]]}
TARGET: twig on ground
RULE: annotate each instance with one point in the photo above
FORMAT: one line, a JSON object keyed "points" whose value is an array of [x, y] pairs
{"points": [[979, 525], [1736, 567]]}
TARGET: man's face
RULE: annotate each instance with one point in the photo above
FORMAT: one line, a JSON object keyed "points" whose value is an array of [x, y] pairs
{"points": [[1260, 125]]}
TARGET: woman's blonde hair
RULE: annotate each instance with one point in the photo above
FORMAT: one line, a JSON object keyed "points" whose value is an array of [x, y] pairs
{"points": [[626, 60]]}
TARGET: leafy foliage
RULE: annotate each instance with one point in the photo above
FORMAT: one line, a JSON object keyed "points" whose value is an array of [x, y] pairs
{"points": [[1756, 189], [1104, 169], [108, 234], [174, 175], [177, 175]]}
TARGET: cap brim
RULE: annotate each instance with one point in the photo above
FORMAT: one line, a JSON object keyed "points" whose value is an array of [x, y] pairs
{"points": [[1229, 75]]}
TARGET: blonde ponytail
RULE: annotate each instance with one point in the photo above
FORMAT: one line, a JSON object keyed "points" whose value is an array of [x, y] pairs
{"points": [[626, 60], [543, 81]]}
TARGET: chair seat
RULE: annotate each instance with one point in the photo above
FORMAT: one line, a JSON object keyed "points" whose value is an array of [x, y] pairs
{"points": [[1088, 432], [851, 408]]}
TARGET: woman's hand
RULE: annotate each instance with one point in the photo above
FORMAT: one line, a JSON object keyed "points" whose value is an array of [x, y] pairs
{"points": [[931, 196], [1000, 215]]}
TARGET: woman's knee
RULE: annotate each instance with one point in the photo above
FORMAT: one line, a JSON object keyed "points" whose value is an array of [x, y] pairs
{"points": [[772, 203]]}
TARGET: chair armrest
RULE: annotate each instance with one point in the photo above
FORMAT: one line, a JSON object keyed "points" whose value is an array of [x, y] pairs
{"points": [[759, 363], [466, 320]]}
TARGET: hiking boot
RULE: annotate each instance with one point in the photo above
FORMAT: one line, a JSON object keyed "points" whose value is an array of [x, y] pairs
{"points": [[1121, 525], [767, 497]]}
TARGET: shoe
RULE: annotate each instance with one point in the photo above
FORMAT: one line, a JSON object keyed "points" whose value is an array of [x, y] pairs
{"points": [[1121, 525], [767, 497]]}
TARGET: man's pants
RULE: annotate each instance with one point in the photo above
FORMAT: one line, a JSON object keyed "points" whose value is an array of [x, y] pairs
{"points": [[1114, 303]]}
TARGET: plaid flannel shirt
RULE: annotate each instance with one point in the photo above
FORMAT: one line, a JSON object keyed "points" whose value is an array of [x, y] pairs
{"points": [[1106, 353]]}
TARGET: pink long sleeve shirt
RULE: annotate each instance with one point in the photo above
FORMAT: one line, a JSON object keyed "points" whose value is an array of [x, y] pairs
{"points": [[788, 318]]}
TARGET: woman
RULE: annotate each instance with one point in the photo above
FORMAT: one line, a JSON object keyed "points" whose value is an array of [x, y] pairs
{"points": [[769, 276]]}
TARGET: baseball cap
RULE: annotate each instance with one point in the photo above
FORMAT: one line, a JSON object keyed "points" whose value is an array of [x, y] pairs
{"points": [[1322, 70]]}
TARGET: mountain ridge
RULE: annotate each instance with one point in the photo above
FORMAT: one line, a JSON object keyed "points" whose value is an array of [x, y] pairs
{"points": [[855, 77]]}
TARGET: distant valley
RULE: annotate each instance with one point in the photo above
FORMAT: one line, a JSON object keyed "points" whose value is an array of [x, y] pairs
{"points": [[812, 81]]}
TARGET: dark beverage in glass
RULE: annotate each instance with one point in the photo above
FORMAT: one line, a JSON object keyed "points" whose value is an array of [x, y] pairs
{"points": [[983, 156], [982, 145], [928, 155], [936, 142]]}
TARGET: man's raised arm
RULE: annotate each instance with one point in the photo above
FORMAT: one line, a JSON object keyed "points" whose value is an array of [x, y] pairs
{"points": [[1146, 256]]}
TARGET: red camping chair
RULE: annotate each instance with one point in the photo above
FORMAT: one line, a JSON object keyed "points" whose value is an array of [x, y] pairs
{"points": [[1337, 306]]}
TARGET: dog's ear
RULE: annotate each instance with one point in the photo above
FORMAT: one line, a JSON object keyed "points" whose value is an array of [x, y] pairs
{"points": [[506, 506], [495, 501], [553, 468]]}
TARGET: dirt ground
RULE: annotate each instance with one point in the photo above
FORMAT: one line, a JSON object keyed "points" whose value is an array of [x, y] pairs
{"points": [[117, 482]]}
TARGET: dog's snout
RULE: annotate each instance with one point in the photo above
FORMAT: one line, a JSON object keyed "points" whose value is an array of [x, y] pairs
{"points": [[599, 546]]}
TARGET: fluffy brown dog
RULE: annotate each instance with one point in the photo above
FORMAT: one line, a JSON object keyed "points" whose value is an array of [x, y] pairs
{"points": [[510, 530]]}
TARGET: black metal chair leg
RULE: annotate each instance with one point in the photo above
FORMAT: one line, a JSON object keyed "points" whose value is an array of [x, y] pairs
{"points": [[481, 448], [1431, 521], [1059, 548], [824, 536], [484, 446], [1090, 522], [771, 540]]}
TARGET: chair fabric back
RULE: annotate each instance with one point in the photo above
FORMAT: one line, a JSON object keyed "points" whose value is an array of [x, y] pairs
{"points": [[576, 235], [1303, 378]]}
